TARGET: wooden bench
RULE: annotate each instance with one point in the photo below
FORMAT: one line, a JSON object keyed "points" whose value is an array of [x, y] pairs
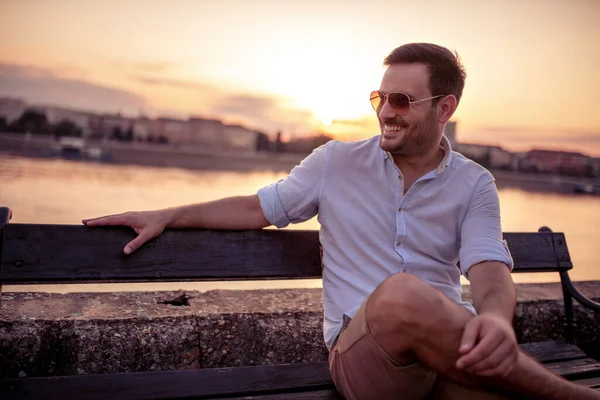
{"points": [[31, 253]]}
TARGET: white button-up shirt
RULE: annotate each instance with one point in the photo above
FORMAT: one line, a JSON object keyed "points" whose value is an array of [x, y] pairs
{"points": [[371, 229]]}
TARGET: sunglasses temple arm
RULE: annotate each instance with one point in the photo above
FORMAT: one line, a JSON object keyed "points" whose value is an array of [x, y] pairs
{"points": [[429, 98]]}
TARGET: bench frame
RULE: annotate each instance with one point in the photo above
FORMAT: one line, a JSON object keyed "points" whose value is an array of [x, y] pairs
{"points": [[77, 254]]}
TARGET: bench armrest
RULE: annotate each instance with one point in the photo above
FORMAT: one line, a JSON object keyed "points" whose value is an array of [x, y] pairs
{"points": [[577, 295]]}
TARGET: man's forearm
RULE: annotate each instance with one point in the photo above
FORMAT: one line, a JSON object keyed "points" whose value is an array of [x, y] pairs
{"points": [[494, 292], [236, 213]]}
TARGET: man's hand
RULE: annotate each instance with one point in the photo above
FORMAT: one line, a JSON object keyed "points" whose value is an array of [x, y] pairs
{"points": [[488, 347], [147, 224]]}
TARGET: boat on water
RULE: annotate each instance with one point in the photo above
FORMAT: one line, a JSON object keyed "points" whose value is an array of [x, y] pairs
{"points": [[76, 148], [584, 188]]}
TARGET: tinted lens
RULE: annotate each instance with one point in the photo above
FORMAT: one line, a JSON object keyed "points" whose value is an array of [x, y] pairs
{"points": [[399, 102], [375, 100]]}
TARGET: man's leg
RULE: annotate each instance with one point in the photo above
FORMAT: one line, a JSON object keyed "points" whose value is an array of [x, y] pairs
{"points": [[412, 321], [361, 369]]}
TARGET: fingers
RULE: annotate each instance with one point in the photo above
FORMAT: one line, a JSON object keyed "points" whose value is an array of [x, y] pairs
{"points": [[136, 243], [119, 219], [481, 351], [498, 356], [502, 369], [470, 336]]}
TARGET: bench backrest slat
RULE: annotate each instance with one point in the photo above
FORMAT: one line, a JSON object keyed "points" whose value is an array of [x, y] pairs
{"points": [[62, 253], [73, 253], [539, 252]]}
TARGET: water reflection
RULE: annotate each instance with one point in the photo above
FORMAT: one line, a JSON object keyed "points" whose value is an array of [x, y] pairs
{"points": [[59, 191]]}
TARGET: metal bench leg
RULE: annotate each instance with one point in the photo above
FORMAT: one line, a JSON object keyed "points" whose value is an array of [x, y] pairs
{"points": [[569, 321], [5, 216]]}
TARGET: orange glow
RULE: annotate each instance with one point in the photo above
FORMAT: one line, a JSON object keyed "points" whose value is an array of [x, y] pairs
{"points": [[310, 65]]}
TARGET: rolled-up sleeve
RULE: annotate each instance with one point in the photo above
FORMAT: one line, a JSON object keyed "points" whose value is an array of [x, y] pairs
{"points": [[481, 230], [296, 198]]}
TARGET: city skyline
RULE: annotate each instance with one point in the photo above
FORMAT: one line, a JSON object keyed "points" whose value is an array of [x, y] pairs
{"points": [[308, 67]]}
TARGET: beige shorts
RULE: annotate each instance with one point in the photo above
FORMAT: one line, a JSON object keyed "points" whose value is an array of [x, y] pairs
{"points": [[362, 370]]}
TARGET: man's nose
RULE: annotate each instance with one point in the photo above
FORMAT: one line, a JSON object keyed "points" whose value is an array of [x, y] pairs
{"points": [[386, 111]]}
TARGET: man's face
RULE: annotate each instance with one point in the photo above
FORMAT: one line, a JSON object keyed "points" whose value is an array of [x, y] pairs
{"points": [[417, 131]]}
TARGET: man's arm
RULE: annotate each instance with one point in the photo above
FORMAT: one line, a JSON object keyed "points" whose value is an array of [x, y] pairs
{"points": [[236, 213], [489, 345], [493, 290], [291, 200]]}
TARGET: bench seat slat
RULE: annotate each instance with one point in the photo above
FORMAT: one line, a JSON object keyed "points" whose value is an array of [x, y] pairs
{"points": [[330, 394], [218, 382], [576, 369], [553, 351], [593, 383], [200, 384]]}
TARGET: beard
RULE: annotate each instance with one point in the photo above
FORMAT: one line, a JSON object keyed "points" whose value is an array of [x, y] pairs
{"points": [[412, 140]]}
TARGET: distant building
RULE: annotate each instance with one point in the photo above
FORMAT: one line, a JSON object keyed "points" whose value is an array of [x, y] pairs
{"points": [[472, 151], [11, 109], [450, 132], [521, 162], [56, 115], [596, 166], [176, 131], [200, 132], [306, 144], [237, 137], [107, 126], [560, 162], [493, 157], [500, 158], [206, 132]]}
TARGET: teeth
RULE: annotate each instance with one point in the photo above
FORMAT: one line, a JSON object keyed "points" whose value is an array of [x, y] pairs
{"points": [[393, 128]]}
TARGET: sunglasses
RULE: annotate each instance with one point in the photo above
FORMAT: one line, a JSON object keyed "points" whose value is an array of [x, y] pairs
{"points": [[400, 102]]}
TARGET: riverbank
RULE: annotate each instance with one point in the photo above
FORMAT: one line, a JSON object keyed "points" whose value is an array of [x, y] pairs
{"points": [[198, 158], [44, 334]]}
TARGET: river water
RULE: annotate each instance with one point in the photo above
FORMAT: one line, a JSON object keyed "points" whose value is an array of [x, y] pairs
{"points": [[64, 192]]}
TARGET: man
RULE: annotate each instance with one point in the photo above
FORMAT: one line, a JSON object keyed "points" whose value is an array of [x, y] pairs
{"points": [[397, 212]]}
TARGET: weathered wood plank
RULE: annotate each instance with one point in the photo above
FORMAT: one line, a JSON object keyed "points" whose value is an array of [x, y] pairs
{"points": [[198, 384], [66, 253], [238, 382], [576, 369], [539, 252], [593, 383], [70, 253], [331, 394], [553, 351]]}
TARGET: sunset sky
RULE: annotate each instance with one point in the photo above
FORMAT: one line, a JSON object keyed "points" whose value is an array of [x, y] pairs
{"points": [[306, 66]]}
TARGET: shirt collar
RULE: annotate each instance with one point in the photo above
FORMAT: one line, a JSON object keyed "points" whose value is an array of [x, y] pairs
{"points": [[444, 145]]}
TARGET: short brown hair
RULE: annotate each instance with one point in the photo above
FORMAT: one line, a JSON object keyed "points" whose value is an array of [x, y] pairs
{"points": [[446, 73]]}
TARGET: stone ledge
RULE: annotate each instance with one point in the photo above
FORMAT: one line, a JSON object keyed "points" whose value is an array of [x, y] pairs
{"points": [[50, 334]]}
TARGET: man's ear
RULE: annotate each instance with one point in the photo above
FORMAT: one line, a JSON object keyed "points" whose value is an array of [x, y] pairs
{"points": [[446, 108]]}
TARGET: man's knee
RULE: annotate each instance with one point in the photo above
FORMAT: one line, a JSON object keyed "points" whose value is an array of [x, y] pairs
{"points": [[400, 303]]}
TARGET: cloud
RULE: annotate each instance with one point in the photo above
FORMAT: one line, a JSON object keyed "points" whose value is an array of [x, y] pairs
{"points": [[527, 134], [44, 86], [160, 66], [267, 112], [246, 104], [175, 83], [140, 66], [357, 123]]}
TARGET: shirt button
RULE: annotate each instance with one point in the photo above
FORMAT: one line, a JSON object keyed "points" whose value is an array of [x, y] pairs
{"points": [[399, 176], [399, 244], [400, 209]]}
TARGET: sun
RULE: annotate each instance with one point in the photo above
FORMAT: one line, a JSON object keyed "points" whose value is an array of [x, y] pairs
{"points": [[327, 121]]}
